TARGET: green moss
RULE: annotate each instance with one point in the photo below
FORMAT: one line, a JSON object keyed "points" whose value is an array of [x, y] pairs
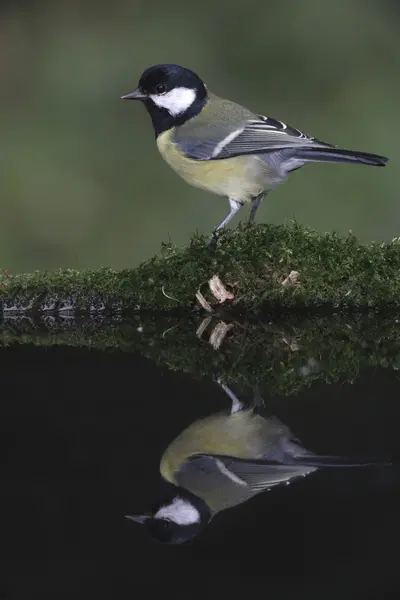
{"points": [[285, 354], [333, 272]]}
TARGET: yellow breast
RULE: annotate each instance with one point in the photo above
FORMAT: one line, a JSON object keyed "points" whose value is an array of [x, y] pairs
{"points": [[240, 178], [238, 435]]}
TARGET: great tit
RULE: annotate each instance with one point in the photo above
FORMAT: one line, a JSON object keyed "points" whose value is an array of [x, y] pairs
{"points": [[223, 460], [222, 147]]}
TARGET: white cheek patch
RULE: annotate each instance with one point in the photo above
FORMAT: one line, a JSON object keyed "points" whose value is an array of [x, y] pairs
{"points": [[180, 512], [176, 101]]}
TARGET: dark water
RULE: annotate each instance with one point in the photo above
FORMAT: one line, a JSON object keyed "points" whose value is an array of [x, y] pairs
{"points": [[82, 435]]}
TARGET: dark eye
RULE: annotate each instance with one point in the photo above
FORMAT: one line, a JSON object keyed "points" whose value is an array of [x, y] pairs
{"points": [[160, 88]]}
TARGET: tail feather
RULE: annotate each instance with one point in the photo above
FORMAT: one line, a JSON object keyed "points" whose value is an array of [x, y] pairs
{"points": [[310, 460], [315, 154]]}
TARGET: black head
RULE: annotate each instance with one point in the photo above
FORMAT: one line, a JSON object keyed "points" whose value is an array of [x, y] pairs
{"points": [[171, 94], [176, 520]]}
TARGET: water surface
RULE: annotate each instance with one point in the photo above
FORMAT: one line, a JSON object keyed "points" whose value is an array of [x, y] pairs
{"points": [[83, 432]]}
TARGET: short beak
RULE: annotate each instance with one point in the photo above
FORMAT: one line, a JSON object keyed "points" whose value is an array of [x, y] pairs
{"points": [[135, 95], [138, 518]]}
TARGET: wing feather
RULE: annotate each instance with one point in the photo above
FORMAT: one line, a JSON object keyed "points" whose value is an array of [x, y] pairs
{"points": [[260, 135]]}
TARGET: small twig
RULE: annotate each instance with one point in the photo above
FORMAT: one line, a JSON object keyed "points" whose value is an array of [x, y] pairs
{"points": [[292, 343], [203, 326], [170, 329], [166, 295], [203, 301]]}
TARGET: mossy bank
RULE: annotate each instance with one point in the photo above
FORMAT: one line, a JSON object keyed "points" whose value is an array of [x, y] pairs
{"points": [[284, 354], [261, 267]]}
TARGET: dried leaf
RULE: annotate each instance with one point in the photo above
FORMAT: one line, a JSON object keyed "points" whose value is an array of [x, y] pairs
{"points": [[218, 290], [291, 279], [218, 334]]}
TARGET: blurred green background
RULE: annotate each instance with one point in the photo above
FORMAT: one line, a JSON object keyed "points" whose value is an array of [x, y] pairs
{"points": [[82, 184]]}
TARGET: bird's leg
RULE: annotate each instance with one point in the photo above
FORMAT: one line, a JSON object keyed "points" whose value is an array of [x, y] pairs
{"points": [[236, 404], [255, 203], [235, 206], [258, 401]]}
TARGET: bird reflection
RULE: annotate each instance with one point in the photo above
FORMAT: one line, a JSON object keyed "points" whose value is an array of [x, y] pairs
{"points": [[223, 460]]}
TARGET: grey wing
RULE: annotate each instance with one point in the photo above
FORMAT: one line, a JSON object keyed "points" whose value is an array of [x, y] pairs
{"points": [[224, 481], [260, 474], [255, 136], [201, 141]]}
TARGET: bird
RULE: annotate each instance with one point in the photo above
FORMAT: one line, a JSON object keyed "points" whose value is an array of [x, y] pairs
{"points": [[223, 460], [222, 147]]}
